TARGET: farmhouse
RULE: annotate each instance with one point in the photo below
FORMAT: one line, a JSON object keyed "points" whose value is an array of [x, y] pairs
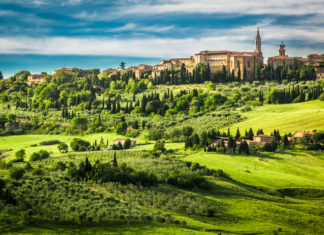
{"points": [[35, 78], [237, 144], [217, 141], [123, 140], [302, 136], [260, 140]]}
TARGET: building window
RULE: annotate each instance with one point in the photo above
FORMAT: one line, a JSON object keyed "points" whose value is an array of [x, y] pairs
{"points": [[238, 64], [248, 64]]}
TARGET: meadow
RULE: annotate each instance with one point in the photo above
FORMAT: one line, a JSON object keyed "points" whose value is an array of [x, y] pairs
{"points": [[250, 201], [157, 187], [288, 118]]}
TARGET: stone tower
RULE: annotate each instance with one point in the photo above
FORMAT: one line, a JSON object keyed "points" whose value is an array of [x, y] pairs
{"points": [[258, 42], [282, 50]]}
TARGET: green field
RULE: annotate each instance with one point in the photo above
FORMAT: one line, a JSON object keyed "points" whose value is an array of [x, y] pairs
{"points": [[254, 200], [18, 142], [305, 116], [244, 209], [278, 170]]}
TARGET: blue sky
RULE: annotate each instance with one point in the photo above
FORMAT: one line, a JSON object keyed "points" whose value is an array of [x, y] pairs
{"points": [[158, 29]]}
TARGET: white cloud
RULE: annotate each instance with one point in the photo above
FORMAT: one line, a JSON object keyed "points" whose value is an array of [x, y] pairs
{"points": [[126, 27], [134, 27], [287, 7], [237, 39], [149, 47], [71, 2], [8, 13]]}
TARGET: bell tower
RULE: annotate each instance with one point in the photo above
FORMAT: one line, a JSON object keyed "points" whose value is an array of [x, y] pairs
{"points": [[258, 42], [282, 50]]}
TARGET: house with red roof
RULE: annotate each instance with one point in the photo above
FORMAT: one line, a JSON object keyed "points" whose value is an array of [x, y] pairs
{"points": [[302, 136]]}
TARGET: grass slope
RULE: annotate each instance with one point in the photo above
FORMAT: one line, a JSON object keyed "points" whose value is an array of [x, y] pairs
{"points": [[244, 210], [287, 118], [278, 170], [18, 142]]}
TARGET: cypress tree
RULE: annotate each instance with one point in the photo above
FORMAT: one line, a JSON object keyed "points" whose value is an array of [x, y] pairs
{"points": [[239, 73], [238, 135], [118, 107], [113, 107], [244, 74], [115, 160]]}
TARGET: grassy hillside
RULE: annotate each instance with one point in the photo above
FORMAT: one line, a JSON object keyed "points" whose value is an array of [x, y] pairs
{"points": [[241, 209], [290, 169], [27, 142], [287, 118], [265, 193]]}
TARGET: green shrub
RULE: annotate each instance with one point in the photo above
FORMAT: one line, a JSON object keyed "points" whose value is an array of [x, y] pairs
{"points": [[41, 154], [155, 134], [34, 157], [321, 97], [63, 147], [79, 145], [16, 173], [20, 156], [121, 128], [159, 146], [50, 142], [60, 166], [37, 171], [211, 86]]}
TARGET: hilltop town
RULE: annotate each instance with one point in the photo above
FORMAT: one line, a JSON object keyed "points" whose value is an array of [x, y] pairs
{"points": [[234, 62]]}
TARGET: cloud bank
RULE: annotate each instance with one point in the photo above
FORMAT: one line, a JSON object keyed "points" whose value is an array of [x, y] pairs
{"points": [[159, 28]]}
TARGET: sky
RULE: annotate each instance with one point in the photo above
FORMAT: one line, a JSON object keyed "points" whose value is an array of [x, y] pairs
{"points": [[65, 33]]}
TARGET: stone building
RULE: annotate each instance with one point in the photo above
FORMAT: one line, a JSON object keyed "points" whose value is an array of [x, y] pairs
{"points": [[188, 62], [260, 140], [162, 65], [319, 73], [315, 59], [141, 69], [215, 59], [302, 136], [247, 61], [282, 58], [233, 61], [35, 78]]}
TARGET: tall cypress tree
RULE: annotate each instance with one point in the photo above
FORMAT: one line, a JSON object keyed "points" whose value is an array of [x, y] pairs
{"points": [[238, 135], [115, 160], [239, 73]]}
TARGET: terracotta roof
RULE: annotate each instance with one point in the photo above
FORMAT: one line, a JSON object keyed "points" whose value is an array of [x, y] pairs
{"points": [[36, 76], [245, 54], [305, 132], [315, 55], [237, 142], [181, 59], [65, 69], [215, 52], [280, 57], [264, 136]]}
